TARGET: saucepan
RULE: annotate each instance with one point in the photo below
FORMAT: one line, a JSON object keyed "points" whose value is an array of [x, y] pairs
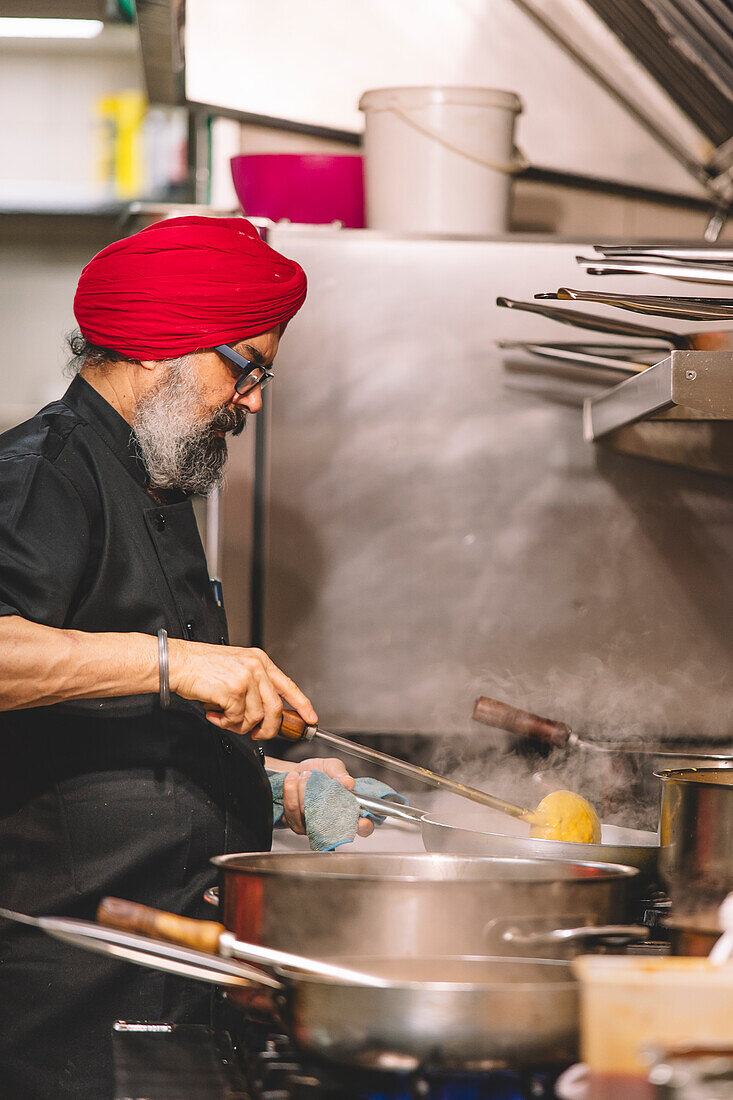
{"points": [[696, 835], [452, 1012], [428, 905], [635, 848], [623, 774]]}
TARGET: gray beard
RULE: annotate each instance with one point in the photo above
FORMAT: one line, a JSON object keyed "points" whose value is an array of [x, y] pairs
{"points": [[177, 441]]}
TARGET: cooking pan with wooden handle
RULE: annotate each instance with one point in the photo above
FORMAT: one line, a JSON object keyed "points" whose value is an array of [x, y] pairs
{"points": [[627, 769], [634, 848], [429, 1013]]}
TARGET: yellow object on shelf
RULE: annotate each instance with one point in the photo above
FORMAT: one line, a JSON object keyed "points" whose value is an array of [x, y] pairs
{"points": [[120, 163]]}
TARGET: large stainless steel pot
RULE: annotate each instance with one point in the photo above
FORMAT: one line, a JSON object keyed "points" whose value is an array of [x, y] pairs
{"points": [[696, 836], [390, 904]]}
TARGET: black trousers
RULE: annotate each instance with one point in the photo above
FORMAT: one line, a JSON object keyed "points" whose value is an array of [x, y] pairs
{"points": [[145, 833]]}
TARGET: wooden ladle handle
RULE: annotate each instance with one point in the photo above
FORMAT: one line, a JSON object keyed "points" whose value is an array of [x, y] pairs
{"points": [[491, 712], [294, 728], [203, 935]]}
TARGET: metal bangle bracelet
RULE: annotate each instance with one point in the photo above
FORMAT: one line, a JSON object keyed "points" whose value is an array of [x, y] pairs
{"points": [[163, 669]]}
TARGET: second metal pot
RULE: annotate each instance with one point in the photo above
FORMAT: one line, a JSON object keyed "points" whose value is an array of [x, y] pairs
{"points": [[696, 836], [410, 905]]}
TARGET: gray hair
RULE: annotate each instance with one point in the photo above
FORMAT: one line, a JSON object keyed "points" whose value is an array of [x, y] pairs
{"points": [[83, 353]]}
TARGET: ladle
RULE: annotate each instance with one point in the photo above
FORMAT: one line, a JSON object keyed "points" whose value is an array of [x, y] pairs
{"points": [[294, 728]]}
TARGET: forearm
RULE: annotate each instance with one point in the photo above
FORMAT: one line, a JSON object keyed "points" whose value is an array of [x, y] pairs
{"points": [[40, 665]]}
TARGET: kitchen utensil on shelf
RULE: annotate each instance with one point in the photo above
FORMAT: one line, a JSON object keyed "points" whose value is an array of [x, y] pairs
{"points": [[408, 904], [211, 938], [628, 771], [579, 319], [671, 269], [658, 305], [582, 356], [693, 254], [696, 835], [557, 817], [696, 341]]}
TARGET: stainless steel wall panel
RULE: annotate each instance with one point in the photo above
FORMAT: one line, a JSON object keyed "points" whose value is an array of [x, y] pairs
{"points": [[436, 523]]}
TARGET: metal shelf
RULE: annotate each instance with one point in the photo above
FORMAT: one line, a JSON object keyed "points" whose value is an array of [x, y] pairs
{"points": [[678, 411]]}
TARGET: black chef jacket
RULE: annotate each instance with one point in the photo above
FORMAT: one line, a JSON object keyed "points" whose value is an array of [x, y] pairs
{"points": [[103, 796]]}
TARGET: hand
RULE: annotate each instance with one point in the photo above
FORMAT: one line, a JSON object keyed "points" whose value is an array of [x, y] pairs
{"points": [[294, 792], [240, 688]]}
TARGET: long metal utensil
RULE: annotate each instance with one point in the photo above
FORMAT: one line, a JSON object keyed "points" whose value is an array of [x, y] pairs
{"points": [[294, 728], [590, 321], [580, 356], [685, 272], [713, 255], [657, 305], [696, 341], [143, 950], [213, 938]]}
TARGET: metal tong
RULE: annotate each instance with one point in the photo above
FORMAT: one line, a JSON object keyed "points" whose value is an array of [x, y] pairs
{"points": [[294, 728]]}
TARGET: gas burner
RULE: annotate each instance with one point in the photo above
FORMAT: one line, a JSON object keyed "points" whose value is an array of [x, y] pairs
{"points": [[163, 1060], [275, 1071]]}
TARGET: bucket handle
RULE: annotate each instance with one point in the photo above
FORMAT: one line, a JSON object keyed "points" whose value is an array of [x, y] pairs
{"points": [[518, 162]]}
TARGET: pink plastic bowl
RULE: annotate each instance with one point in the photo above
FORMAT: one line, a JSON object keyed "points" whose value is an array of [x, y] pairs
{"points": [[310, 189]]}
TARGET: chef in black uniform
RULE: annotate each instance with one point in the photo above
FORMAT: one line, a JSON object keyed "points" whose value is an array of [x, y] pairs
{"points": [[124, 768]]}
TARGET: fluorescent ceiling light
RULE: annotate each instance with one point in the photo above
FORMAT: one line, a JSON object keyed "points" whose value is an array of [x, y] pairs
{"points": [[50, 28]]}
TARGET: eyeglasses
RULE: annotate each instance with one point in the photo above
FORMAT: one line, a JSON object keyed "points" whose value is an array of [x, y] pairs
{"points": [[252, 373]]}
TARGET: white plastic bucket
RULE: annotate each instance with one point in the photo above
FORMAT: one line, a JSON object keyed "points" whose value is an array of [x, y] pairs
{"points": [[440, 159]]}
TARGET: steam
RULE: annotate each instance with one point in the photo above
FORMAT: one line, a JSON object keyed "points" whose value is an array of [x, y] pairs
{"points": [[601, 702]]}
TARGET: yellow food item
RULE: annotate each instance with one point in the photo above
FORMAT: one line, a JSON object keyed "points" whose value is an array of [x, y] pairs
{"points": [[568, 817]]}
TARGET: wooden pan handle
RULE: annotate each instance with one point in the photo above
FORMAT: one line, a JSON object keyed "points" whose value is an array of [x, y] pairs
{"points": [[294, 727], [529, 726], [203, 935]]}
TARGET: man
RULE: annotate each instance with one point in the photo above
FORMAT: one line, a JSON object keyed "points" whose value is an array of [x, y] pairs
{"points": [[104, 787]]}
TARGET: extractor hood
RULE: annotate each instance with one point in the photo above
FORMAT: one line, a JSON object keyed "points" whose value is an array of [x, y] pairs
{"points": [[659, 58], [678, 411]]}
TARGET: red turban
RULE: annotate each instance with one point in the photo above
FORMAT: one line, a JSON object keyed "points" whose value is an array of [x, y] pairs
{"points": [[183, 285]]}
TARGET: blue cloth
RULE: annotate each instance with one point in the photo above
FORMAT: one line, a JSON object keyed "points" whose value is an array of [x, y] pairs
{"points": [[331, 812]]}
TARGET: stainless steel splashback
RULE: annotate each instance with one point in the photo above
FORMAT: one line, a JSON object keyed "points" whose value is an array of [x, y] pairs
{"points": [[436, 525]]}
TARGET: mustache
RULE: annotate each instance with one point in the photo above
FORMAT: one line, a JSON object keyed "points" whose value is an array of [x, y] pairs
{"points": [[228, 419]]}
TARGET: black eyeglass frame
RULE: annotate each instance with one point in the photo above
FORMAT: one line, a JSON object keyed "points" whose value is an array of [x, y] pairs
{"points": [[247, 380]]}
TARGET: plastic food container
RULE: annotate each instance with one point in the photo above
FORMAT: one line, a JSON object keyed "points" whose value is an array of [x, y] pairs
{"points": [[631, 1004], [440, 159]]}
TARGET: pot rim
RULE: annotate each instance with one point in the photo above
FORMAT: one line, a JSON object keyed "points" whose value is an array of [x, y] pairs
{"points": [[701, 777], [562, 984], [589, 871]]}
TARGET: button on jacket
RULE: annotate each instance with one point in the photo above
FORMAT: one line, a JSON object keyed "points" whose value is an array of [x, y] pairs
{"points": [[103, 796]]}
